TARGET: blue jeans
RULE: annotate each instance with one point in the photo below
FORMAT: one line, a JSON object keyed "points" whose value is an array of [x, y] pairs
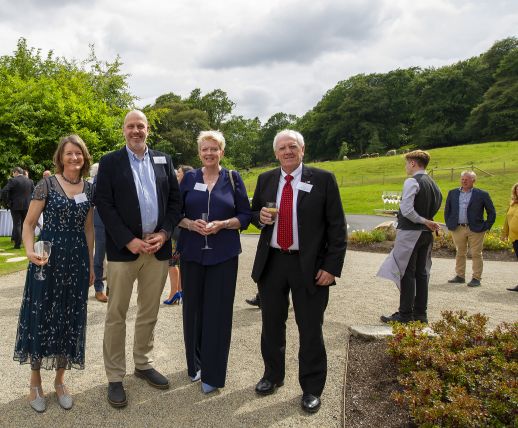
{"points": [[99, 253]]}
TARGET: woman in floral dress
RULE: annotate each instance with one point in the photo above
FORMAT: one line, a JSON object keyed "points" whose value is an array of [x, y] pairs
{"points": [[52, 325]]}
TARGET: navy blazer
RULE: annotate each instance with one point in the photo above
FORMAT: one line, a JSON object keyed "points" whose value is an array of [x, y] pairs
{"points": [[117, 202], [321, 224], [222, 203], [480, 201]]}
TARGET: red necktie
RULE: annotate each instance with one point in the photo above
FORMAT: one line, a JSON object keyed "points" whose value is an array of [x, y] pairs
{"points": [[285, 227]]}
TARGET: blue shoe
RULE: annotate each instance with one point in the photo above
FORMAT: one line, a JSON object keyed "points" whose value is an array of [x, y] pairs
{"points": [[207, 389], [177, 299], [197, 377]]}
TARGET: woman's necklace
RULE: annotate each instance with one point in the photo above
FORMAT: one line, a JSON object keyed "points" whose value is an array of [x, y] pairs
{"points": [[71, 181]]}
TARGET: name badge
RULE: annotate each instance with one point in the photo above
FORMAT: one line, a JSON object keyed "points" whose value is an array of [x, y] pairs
{"points": [[202, 187], [80, 198], [305, 187], [159, 159]]}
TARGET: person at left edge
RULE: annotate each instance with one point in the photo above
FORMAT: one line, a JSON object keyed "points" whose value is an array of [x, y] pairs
{"points": [[209, 275], [138, 199], [17, 195]]}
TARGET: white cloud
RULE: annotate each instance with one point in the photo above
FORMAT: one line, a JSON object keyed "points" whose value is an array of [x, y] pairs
{"points": [[269, 56]]}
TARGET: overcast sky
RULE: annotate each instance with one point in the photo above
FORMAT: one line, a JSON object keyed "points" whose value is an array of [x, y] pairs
{"points": [[268, 55]]}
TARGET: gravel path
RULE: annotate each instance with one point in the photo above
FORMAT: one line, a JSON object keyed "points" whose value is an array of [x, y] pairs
{"points": [[359, 298]]}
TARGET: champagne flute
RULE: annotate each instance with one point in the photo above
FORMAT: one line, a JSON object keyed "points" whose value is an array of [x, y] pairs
{"points": [[42, 249], [272, 209], [205, 218]]}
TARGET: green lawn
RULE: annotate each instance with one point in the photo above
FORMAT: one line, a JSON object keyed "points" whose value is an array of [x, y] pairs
{"points": [[362, 181], [6, 246]]}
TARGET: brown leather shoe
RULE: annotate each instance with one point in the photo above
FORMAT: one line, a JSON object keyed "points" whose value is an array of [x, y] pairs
{"points": [[101, 297]]}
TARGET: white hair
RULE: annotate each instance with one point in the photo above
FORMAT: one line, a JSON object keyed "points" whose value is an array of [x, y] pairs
{"points": [[470, 173], [217, 136], [288, 133]]}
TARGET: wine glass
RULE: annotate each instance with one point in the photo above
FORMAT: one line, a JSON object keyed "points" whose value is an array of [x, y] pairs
{"points": [[42, 249], [272, 209], [205, 218]]}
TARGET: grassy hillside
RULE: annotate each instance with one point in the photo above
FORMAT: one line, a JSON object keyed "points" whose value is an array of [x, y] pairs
{"points": [[362, 181]]}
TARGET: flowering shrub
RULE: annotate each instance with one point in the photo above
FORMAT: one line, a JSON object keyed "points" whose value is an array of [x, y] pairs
{"points": [[367, 237], [465, 376]]}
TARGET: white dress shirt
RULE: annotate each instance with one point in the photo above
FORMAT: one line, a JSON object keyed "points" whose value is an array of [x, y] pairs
{"points": [[297, 174]]}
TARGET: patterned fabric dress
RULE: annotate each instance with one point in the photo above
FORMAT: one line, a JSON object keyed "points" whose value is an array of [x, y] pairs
{"points": [[52, 325]]}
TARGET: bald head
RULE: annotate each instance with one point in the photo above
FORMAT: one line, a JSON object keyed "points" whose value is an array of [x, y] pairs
{"points": [[135, 114]]}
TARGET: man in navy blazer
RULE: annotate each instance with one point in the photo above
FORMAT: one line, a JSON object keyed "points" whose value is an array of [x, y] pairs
{"points": [[464, 217], [301, 252], [138, 199]]}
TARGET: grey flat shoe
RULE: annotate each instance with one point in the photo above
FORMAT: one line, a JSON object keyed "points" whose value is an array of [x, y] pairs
{"points": [[39, 403], [65, 400]]}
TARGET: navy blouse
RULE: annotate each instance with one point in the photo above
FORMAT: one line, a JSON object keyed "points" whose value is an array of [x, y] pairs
{"points": [[222, 203]]}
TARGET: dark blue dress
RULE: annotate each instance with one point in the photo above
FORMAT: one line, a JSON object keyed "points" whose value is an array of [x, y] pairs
{"points": [[52, 325]]}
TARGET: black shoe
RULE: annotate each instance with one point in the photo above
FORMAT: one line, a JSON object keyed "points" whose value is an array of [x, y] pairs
{"points": [[265, 387], [116, 394], [474, 283], [16, 247], [395, 317], [256, 301], [155, 379], [420, 318], [513, 289], [457, 280], [310, 403]]}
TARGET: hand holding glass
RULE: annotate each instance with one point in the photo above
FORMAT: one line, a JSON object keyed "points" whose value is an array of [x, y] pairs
{"points": [[271, 207], [42, 249]]}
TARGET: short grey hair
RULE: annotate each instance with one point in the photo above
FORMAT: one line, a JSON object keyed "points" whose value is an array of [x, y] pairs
{"points": [[470, 173], [217, 136], [288, 133]]}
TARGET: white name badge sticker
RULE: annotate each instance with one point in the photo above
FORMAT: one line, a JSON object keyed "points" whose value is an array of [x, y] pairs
{"points": [[305, 187], [80, 198], [159, 159], [202, 187]]}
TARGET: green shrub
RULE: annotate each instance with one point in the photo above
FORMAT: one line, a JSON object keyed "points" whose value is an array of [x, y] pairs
{"points": [[367, 237], [465, 376]]}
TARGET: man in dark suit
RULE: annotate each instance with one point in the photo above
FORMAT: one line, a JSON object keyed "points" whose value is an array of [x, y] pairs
{"points": [[464, 217], [138, 199], [301, 250], [17, 195]]}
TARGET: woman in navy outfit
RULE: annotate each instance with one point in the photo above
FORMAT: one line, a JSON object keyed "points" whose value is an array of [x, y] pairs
{"points": [[209, 251]]}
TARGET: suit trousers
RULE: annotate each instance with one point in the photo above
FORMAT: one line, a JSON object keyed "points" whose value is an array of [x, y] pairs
{"points": [[281, 275], [18, 219], [413, 297], [462, 238], [151, 275], [208, 302]]}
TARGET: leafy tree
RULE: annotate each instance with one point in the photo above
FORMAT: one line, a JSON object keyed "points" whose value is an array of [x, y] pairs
{"points": [[277, 122], [216, 104], [242, 136], [42, 100]]}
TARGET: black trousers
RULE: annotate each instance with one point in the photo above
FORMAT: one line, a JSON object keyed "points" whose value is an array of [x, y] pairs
{"points": [[413, 298], [515, 247], [18, 219], [282, 274], [208, 300]]}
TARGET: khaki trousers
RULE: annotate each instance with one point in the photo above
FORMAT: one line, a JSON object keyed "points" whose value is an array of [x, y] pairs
{"points": [[462, 238], [151, 275]]}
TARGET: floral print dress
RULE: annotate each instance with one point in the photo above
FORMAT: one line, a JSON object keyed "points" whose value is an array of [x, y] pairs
{"points": [[52, 325]]}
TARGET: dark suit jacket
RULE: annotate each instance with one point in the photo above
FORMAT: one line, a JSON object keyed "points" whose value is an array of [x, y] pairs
{"points": [[480, 201], [117, 202], [17, 193], [321, 224]]}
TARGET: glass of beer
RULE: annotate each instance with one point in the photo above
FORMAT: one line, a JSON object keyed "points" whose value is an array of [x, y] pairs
{"points": [[272, 209]]}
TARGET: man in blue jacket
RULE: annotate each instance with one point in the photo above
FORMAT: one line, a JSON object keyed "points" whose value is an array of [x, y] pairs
{"points": [[464, 217]]}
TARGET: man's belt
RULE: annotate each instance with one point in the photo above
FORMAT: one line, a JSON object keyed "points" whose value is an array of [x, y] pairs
{"points": [[286, 252]]}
